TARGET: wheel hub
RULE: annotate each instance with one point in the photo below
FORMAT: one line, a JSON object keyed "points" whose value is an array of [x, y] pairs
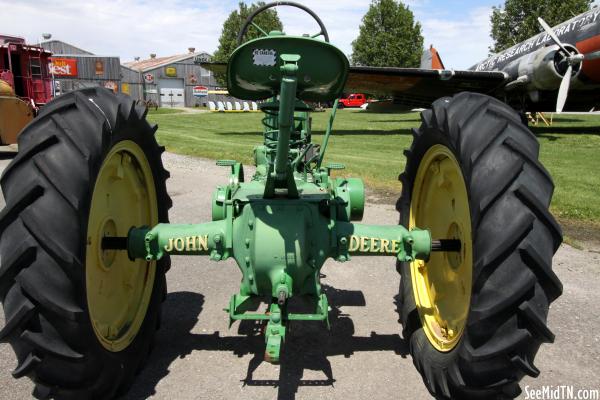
{"points": [[118, 289], [108, 229], [442, 286]]}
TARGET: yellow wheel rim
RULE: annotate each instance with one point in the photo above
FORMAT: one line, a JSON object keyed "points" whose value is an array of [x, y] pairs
{"points": [[442, 286], [118, 289]]}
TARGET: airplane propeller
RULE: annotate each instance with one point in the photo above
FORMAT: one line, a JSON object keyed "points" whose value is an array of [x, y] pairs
{"points": [[572, 59]]}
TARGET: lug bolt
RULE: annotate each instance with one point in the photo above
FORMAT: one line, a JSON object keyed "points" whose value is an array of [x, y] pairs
{"points": [[217, 238], [247, 242], [343, 241]]}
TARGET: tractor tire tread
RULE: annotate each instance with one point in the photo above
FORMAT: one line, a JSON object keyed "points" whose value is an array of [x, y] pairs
{"points": [[507, 322], [41, 282]]}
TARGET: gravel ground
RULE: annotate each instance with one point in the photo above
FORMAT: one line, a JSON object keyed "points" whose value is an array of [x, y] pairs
{"points": [[364, 355]]}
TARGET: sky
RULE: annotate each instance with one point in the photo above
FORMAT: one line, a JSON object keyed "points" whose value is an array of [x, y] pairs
{"points": [[459, 29]]}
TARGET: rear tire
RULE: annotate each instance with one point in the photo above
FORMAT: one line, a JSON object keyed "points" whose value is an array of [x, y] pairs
{"points": [[48, 190], [514, 238]]}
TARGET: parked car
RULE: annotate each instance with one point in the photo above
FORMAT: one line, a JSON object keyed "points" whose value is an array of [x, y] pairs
{"points": [[353, 100]]}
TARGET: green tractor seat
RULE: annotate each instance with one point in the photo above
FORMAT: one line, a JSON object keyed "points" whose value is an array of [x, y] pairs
{"points": [[253, 71]]}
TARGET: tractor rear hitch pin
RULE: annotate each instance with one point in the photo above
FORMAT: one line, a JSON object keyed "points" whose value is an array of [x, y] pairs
{"points": [[447, 245]]}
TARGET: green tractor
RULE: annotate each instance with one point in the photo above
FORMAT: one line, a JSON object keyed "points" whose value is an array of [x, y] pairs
{"points": [[85, 239]]}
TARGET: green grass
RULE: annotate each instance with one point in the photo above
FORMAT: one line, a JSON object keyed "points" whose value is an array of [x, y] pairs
{"points": [[570, 150], [371, 146], [164, 111]]}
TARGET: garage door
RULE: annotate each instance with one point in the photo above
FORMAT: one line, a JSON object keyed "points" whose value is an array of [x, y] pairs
{"points": [[172, 93]]}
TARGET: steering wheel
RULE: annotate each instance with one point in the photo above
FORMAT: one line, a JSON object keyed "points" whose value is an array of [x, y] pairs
{"points": [[250, 20]]}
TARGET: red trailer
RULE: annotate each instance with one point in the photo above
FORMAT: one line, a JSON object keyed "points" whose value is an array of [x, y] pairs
{"points": [[25, 84]]}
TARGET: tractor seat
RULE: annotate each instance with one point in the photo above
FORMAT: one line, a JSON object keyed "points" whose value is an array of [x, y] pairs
{"points": [[253, 71]]}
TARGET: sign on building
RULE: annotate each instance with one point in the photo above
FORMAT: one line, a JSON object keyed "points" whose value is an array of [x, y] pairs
{"points": [[201, 58], [149, 78], [200, 91], [63, 66], [171, 72], [99, 67], [112, 86]]}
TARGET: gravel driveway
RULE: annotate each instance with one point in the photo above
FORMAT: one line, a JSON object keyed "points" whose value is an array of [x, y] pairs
{"points": [[362, 357]]}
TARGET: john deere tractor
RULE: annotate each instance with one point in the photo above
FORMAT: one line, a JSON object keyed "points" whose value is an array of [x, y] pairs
{"points": [[85, 237]]}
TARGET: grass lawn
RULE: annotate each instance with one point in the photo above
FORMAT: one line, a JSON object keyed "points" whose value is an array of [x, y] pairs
{"points": [[163, 111], [371, 146]]}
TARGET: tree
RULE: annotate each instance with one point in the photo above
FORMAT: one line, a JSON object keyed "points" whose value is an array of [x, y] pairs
{"points": [[267, 20], [516, 21], [389, 36]]}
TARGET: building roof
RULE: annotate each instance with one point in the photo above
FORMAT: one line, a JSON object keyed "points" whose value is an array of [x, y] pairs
{"points": [[59, 47], [157, 62], [5, 39], [85, 56]]}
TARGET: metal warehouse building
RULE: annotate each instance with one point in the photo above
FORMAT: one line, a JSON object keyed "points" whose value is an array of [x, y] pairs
{"points": [[174, 81], [73, 68]]}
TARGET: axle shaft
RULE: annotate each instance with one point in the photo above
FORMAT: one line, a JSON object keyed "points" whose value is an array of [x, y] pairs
{"points": [[448, 245], [114, 243]]}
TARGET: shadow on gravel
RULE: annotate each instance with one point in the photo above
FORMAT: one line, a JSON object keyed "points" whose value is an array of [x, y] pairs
{"points": [[173, 340], [308, 344]]}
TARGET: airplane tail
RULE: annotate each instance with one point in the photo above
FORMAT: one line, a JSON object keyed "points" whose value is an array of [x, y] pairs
{"points": [[431, 59]]}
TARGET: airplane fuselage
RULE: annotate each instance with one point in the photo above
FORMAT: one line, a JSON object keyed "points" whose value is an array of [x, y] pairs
{"points": [[536, 66], [582, 31]]}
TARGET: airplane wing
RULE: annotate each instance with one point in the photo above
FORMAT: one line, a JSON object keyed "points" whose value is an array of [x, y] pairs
{"points": [[418, 88], [215, 67], [411, 87]]}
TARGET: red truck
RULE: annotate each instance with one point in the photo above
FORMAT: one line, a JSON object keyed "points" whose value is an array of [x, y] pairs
{"points": [[354, 100]]}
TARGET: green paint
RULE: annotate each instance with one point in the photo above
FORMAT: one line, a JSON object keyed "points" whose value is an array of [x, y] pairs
{"points": [[292, 215]]}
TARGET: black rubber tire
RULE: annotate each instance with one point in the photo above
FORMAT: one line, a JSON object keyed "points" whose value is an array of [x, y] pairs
{"points": [[43, 228], [514, 240], [524, 118]]}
